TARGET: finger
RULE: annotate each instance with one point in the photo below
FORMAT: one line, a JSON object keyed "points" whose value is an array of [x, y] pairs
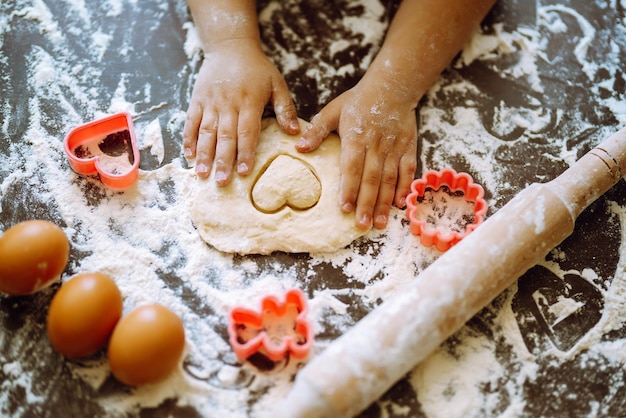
{"points": [[248, 130], [368, 189], [193, 118], [322, 124], [226, 148], [406, 175], [205, 148], [285, 109], [352, 161], [386, 192]]}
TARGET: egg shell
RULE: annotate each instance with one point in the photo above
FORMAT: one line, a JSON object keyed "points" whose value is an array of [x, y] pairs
{"points": [[146, 346], [83, 314], [33, 254]]}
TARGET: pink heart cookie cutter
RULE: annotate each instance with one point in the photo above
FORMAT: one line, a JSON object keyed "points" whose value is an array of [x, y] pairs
{"points": [[114, 128]]}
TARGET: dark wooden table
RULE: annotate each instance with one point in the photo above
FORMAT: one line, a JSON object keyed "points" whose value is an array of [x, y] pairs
{"points": [[536, 122]]}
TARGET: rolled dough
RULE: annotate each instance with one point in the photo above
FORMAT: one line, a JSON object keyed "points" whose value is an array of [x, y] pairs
{"points": [[275, 207]]}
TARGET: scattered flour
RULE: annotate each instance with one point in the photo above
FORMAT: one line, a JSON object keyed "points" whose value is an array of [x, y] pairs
{"points": [[152, 138], [144, 236]]}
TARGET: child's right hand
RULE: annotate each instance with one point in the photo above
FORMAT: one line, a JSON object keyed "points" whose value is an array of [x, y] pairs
{"points": [[223, 121]]}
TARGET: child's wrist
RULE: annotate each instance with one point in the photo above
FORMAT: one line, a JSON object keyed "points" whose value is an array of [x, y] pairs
{"points": [[395, 85], [234, 44]]}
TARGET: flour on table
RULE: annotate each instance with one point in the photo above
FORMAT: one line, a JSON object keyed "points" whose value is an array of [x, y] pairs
{"points": [[144, 237], [152, 139], [289, 201]]}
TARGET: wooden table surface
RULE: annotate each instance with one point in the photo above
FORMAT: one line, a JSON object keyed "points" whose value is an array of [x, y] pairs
{"points": [[568, 98]]}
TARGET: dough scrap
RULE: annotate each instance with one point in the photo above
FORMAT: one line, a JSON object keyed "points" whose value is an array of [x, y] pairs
{"points": [[227, 219], [297, 185]]}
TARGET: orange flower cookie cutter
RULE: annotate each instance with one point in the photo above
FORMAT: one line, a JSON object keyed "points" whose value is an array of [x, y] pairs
{"points": [[445, 206], [106, 147], [279, 330]]}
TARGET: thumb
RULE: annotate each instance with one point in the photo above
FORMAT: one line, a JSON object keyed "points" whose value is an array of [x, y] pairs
{"points": [[322, 124], [285, 109]]}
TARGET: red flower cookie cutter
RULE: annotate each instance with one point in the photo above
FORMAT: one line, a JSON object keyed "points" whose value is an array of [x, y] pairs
{"points": [[425, 224], [80, 140], [279, 330]]}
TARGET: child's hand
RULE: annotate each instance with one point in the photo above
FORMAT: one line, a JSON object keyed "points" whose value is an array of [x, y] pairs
{"points": [[223, 121], [378, 130]]}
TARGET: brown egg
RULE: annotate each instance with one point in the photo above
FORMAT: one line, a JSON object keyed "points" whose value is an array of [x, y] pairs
{"points": [[33, 254], [83, 313], [146, 346]]}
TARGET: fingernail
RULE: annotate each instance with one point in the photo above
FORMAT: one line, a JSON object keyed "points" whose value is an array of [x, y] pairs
{"points": [[295, 125], [347, 207], [302, 143], [381, 220], [402, 202], [187, 152], [220, 177], [202, 168], [365, 221], [242, 168]]}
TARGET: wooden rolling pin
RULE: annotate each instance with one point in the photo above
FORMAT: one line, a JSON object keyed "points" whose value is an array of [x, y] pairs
{"points": [[384, 346]]}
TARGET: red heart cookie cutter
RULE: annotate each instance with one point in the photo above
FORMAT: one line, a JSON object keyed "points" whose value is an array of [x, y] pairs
{"points": [[107, 147], [278, 330], [424, 216]]}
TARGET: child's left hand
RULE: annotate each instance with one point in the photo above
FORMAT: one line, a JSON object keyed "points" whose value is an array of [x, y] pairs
{"points": [[377, 123]]}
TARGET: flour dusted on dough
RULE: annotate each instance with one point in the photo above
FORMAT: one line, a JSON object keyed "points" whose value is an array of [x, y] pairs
{"points": [[227, 219]]}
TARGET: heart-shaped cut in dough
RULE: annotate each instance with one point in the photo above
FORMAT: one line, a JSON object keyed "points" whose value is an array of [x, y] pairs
{"points": [[286, 182]]}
